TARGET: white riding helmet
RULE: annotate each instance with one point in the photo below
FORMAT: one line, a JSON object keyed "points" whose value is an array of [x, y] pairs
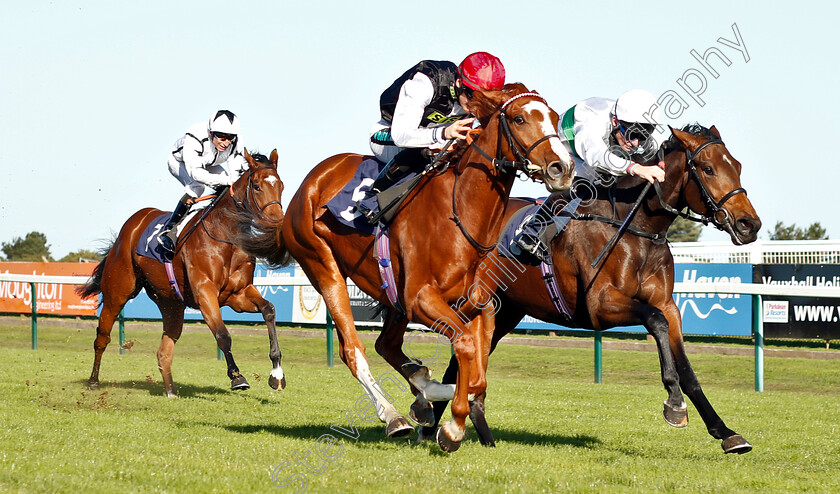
{"points": [[632, 105], [224, 122]]}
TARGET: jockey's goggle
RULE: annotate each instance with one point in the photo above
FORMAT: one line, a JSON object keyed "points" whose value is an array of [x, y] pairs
{"points": [[223, 136], [466, 91], [635, 130]]}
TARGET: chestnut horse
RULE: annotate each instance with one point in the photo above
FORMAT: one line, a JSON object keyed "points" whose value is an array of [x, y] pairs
{"points": [[213, 264], [438, 238], [635, 283]]}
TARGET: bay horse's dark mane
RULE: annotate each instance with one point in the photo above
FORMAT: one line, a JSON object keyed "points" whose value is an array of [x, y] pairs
{"points": [[253, 234], [694, 129]]}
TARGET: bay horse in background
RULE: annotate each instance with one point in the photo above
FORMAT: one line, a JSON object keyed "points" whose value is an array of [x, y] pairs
{"points": [[438, 238], [213, 264], [635, 283]]}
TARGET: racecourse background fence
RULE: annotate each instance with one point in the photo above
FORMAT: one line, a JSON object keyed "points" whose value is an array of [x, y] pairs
{"points": [[765, 253]]}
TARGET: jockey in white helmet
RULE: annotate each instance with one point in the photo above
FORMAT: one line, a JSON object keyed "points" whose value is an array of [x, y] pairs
{"points": [[607, 136], [197, 160]]}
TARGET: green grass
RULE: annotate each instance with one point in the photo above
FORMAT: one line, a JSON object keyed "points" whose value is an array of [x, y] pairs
{"points": [[555, 430]]}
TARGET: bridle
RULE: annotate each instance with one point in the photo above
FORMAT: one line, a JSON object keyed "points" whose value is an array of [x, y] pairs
{"points": [[522, 163], [249, 204], [715, 213], [254, 208]]}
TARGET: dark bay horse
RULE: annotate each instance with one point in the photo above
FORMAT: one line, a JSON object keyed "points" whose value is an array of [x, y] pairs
{"points": [[443, 229], [213, 264], [634, 284]]}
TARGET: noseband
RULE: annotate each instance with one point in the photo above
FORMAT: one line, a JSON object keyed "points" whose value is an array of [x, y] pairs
{"points": [[716, 214]]}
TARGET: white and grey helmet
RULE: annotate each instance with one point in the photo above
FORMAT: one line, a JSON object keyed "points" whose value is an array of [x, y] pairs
{"points": [[224, 124], [635, 110]]}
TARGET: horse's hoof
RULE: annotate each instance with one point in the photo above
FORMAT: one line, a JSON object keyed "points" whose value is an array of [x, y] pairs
{"points": [[445, 443], [422, 415], [171, 394], [425, 434], [736, 444], [277, 384], [239, 383], [93, 385], [676, 417], [398, 427]]}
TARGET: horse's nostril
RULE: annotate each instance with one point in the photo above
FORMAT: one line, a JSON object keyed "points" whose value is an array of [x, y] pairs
{"points": [[554, 170], [748, 225]]}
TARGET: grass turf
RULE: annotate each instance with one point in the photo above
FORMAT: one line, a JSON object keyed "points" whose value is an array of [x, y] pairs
{"points": [[555, 429]]}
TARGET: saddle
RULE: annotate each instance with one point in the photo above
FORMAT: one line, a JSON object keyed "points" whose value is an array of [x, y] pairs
{"points": [[343, 205]]}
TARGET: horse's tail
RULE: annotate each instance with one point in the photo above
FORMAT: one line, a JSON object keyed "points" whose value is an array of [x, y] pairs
{"points": [[94, 284]]}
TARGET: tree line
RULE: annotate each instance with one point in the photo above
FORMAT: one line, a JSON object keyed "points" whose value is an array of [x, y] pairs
{"points": [[34, 248]]}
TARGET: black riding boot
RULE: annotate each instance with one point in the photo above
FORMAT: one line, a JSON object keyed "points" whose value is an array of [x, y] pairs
{"points": [[165, 240], [530, 239], [404, 162]]}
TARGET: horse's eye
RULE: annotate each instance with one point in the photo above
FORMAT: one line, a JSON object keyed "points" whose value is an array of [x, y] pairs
{"points": [[519, 120], [708, 170], [256, 187]]}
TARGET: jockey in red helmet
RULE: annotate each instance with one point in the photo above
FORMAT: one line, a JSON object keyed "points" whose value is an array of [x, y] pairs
{"points": [[424, 108]]}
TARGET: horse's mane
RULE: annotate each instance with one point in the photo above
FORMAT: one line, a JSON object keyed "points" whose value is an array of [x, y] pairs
{"points": [[486, 103], [254, 235], [694, 129]]}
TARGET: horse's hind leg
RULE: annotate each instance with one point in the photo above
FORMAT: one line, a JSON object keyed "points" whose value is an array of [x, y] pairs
{"points": [[731, 442], [389, 346], [173, 324], [250, 300], [116, 292], [208, 301]]}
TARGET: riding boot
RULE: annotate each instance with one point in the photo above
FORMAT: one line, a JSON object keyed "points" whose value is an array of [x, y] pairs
{"points": [[396, 169], [532, 237], [165, 240]]}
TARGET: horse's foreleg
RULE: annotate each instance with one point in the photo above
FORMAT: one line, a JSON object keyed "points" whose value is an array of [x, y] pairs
{"points": [[611, 309], [675, 410], [250, 300], [731, 442], [208, 303], [173, 324], [431, 310]]}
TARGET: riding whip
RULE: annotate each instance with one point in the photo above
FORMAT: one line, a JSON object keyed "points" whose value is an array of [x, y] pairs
{"points": [[608, 248]]}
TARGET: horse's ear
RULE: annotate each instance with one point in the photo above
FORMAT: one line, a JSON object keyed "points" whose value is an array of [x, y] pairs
{"points": [[688, 141], [273, 158], [715, 131]]}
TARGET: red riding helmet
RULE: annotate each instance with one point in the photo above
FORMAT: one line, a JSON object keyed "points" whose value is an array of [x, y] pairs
{"points": [[482, 70]]}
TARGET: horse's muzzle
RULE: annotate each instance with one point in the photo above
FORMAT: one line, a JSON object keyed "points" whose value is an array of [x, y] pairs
{"points": [[747, 229], [557, 176]]}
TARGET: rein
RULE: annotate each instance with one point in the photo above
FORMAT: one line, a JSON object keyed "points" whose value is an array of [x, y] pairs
{"points": [[715, 207], [522, 163]]}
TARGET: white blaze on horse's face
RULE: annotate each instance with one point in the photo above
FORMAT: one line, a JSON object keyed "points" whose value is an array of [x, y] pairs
{"points": [[271, 179], [547, 128]]}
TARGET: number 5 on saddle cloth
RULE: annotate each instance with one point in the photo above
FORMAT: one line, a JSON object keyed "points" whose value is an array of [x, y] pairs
{"points": [[380, 196]]}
